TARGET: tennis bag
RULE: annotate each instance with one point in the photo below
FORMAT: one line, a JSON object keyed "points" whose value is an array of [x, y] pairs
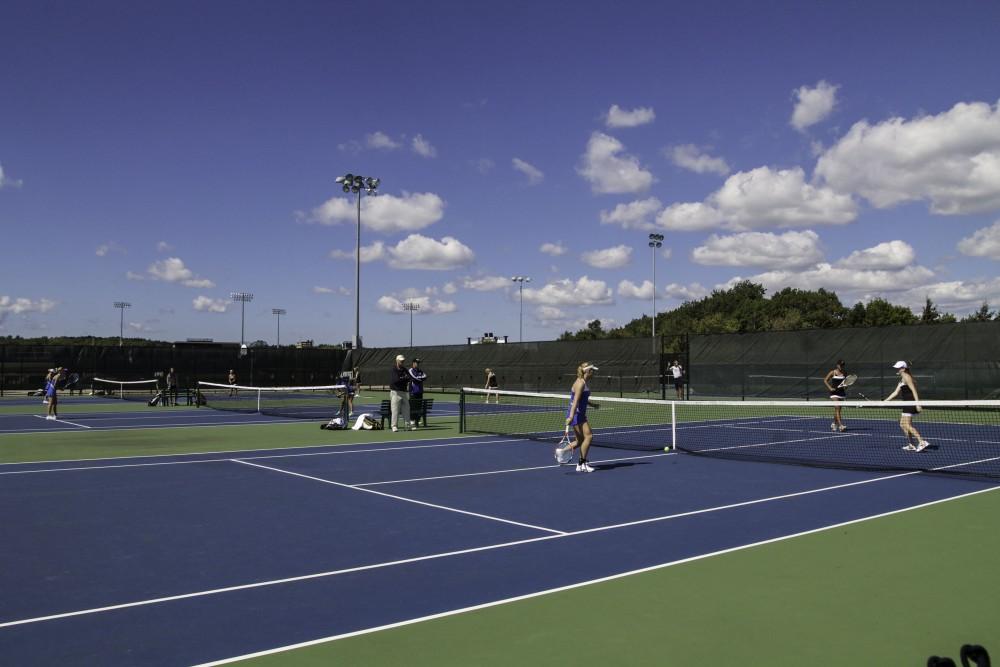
{"points": [[335, 424], [153, 402]]}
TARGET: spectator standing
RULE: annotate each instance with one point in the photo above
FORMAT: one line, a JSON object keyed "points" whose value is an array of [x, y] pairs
{"points": [[417, 377], [399, 382], [170, 397], [677, 371], [232, 382]]}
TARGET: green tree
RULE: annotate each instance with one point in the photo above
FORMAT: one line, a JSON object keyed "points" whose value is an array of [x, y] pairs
{"points": [[984, 314]]}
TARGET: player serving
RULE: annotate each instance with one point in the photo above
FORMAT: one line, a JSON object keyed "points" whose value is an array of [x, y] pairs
{"points": [[576, 417]]}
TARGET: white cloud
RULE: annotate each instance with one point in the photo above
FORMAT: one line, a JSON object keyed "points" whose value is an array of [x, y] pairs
{"points": [[105, 248], [565, 292], [608, 258], [426, 306], [554, 249], [812, 105], [791, 249], [369, 253], [535, 176], [887, 256], [840, 279], [172, 270], [163, 246], [550, 314], [131, 275], [210, 305], [629, 290], [984, 242], [691, 292], [618, 117], [483, 165], [21, 305], [140, 327], [691, 157], [633, 215], [381, 141], [7, 182], [957, 295], [449, 288], [609, 170], [486, 283], [386, 214], [951, 160], [421, 252], [343, 291], [423, 147], [762, 198]]}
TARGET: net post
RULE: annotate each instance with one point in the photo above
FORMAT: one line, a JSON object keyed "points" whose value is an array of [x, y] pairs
{"points": [[461, 410], [673, 425]]}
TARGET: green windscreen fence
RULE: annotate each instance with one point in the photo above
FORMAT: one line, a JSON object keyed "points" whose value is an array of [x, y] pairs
{"points": [[949, 361], [627, 367]]}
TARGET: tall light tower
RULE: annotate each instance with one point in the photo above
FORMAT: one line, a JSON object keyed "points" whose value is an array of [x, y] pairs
{"points": [[278, 312], [358, 184], [243, 298], [655, 242], [122, 306], [520, 280], [412, 307]]}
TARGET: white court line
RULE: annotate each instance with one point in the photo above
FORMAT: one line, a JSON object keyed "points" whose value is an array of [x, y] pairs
{"points": [[499, 472], [62, 421], [460, 552], [227, 456], [404, 499]]}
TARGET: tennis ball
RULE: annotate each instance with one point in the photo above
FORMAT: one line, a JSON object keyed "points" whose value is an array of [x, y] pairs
{"points": [[667, 448]]}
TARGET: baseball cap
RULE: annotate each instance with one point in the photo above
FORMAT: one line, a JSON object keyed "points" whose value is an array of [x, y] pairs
{"points": [[899, 364], [416, 360], [591, 367], [400, 357]]}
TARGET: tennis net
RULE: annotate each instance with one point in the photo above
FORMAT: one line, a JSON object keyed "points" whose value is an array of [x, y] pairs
{"points": [[322, 402], [963, 436], [129, 390]]}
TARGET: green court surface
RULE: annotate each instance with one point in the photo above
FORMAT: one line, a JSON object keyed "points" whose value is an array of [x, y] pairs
{"points": [[888, 591]]}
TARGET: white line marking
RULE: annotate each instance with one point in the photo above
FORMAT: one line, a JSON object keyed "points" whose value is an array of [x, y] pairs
{"points": [[61, 421], [528, 596], [499, 472], [404, 561], [404, 499]]}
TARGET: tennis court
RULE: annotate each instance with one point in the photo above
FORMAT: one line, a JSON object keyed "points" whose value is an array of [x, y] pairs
{"points": [[179, 536]]}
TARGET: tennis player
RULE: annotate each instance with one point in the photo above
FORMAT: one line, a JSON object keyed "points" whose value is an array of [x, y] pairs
{"points": [[491, 385], [51, 387], [576, 416], [906, 390], [834, 381], [232, 383], [677, 371]]}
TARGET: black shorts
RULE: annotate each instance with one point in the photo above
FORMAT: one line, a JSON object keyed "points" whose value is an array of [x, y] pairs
{"points": [[909, 409], [678, 383], [839, 392]]}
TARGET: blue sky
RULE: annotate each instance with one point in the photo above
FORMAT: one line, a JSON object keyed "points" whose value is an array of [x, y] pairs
{"points": [[167, 154]]}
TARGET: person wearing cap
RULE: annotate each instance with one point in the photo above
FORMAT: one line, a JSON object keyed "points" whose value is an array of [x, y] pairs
{"points": [[906, 390], [576, 416], [399, 383]]}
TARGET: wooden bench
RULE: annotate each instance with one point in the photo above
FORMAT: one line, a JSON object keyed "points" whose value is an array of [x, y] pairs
{"points": [[419, 409]]}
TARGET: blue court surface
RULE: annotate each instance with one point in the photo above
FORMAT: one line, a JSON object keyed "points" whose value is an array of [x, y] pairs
{"points": [[200, 558]]}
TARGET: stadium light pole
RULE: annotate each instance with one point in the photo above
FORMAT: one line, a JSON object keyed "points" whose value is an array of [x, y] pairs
{"points": [[278, 312], [358, 184], [412, 307], [520, 280], [122, 306], [243, 298], [655, 242]]}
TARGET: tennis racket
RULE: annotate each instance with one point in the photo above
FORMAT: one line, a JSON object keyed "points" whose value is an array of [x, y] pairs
{"points": [[848, 381], [563, 453]]}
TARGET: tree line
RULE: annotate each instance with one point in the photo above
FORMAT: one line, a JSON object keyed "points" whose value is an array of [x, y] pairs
{"points": [[745, 308]]}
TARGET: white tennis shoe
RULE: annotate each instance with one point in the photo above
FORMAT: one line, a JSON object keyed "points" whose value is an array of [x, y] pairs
{"points": [[922, 445], [910, 448], [584, 467]]}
